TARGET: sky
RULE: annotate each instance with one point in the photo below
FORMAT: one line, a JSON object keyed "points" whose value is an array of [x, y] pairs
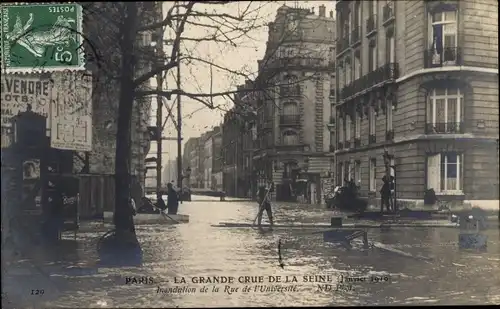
{"points": [[198, 119]]}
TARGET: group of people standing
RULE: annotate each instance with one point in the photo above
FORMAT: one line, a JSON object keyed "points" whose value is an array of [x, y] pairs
{"points": [[172, 205]]}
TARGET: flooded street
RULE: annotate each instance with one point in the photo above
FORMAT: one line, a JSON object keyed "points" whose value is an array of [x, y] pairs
{"points": [[196, 249]]}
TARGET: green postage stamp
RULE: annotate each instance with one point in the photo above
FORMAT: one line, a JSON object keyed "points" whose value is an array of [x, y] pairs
{"points": [[41, 37]]}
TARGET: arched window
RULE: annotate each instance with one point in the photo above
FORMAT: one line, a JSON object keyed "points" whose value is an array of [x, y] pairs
{"points": [[290, 137], [290, 108]]}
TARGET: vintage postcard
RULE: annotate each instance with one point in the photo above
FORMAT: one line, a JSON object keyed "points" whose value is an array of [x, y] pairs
{"points": [[177, 154]]}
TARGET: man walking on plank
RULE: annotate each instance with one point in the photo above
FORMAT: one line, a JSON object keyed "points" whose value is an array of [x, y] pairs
{"points": [[264, 201]]}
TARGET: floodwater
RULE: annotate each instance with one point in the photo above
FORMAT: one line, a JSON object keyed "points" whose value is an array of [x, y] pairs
{"points": [[196, 249]]}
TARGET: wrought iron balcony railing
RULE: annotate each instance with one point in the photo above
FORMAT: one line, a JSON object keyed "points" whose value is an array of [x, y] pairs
{"points": [[332, 148], [355, 35], [386, 73], [389, 135], [357, 142], [388, 12], [372, 139], [289, 119], [371, 24], [445, 128], [340, 145], [447, 56], [347, 144]]}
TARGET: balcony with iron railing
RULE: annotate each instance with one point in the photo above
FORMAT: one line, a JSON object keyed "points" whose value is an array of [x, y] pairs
{"points": [[371, 25], [357, 142], [384, 74], [332, 148], [289, 120], [446, 56], [340, 145], [347, 144], [445, 128], [356, 35], [388, 13], [297, 62]]}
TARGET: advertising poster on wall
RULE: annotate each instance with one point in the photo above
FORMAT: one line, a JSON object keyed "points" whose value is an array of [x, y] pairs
{"points": [[20, 90], [71, 111]]}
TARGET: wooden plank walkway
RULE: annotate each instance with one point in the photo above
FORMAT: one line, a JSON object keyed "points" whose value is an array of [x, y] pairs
{"points": [[344, 226]]}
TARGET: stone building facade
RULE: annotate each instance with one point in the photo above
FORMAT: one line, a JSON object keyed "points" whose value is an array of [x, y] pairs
{"points": [[295, 109], [232, 151], [190, 159], [418, 80], [217, 159], [106, 90]]}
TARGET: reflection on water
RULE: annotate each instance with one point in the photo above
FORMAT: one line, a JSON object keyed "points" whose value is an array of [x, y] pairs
{"points": [[197, 249]]}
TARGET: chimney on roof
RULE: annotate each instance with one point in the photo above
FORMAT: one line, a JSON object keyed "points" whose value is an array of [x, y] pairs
{"points": [[322, 10], [331, 14]]}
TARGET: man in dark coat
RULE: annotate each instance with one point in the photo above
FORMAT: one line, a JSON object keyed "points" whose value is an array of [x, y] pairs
{"points": [[265, 204], [385, 195], [173, 200]]}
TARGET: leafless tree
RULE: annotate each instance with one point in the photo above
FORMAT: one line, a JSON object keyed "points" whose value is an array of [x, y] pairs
{"points": [[118, 57]]}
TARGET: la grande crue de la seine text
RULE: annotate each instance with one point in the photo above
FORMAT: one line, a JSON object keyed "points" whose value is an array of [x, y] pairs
{"points": [[254, 279]]}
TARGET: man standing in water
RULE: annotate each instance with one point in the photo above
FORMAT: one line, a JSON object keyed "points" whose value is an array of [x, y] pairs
{"points": [[264, 201], [385, 195], [172, 200]]}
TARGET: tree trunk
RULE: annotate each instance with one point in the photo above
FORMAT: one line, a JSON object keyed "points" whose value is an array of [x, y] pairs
{"points": [[123, 217]]}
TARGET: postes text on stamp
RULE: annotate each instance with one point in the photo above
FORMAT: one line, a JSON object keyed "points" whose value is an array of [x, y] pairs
{"points": [[41, 37]]}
